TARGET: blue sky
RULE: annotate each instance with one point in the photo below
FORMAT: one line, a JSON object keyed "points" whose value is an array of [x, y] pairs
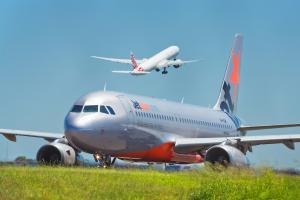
{"points": [[45, 64]]}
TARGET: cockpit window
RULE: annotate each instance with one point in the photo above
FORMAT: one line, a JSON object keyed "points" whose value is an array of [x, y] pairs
{"points": [[111, 110], [90, 108], [103, 109], [77, 108]]}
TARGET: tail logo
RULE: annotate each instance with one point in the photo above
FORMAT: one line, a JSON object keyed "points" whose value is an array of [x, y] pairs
{"points": [[227, 104], [133, 61], [235, 74]]}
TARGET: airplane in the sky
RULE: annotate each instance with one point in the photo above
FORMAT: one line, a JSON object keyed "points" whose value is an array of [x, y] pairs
{"points": [[113, 125], [160, 61]]}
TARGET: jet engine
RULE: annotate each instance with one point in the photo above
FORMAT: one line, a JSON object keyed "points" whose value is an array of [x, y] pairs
{"points": [[177, 63], [57, 153], [226, 155]]}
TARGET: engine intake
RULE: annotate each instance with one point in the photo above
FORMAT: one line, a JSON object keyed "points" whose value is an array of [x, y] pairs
{"points": [[226, 155], [57, 154]]}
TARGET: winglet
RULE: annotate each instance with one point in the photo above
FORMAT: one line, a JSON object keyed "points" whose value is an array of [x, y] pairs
{"points": [[104, 87], [133, 61], [12, 138]]}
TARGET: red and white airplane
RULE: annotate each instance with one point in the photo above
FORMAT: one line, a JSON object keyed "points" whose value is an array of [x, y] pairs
{"points": [[161, 60], [130, 127]]}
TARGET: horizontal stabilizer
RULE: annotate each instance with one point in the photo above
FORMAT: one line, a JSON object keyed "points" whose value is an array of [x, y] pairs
{"points": [[122, 72], [117, 60], [124, 61], [132, 72]]}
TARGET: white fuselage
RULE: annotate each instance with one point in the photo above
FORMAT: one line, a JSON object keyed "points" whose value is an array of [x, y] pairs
{"points": [[158, 59]]}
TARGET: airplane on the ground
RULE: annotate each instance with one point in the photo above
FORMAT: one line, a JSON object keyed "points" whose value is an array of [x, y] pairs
{"points": [[160, 61], [113, 125]]}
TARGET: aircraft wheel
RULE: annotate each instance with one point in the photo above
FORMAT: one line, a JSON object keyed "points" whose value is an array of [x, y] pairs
{"points": [[165, 71]]}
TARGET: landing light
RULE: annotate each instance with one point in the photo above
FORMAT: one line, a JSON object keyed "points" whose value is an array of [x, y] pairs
{"points": [[97, 157]]}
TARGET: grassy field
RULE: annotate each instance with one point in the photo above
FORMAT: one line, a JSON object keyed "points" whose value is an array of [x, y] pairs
{"points": [[90, 183]]}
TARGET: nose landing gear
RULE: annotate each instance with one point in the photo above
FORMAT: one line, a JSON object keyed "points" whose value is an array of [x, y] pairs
{"points": [[104, 161]]}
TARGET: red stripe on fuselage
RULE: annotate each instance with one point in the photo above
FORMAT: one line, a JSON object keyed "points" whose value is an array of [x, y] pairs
{"points": [[161, 153]]}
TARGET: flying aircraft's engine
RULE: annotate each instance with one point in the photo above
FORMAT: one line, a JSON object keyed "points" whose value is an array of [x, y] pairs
{"points": [[177, 63], [226, 155], [57, 154]]}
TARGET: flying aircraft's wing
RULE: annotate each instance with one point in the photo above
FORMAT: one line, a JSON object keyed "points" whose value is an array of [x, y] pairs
{"points": [[132, 72], [185, 145], [11, 134], [167, 63], [118, 60]]}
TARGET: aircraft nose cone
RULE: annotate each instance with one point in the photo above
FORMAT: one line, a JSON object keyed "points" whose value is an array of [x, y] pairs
{"points": [[79, 123], [72, 122], [76, 130]]}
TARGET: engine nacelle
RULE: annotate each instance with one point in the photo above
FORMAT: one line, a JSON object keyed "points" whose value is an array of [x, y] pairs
{"points": [[226, 155], [57, 154], [177, 63]]}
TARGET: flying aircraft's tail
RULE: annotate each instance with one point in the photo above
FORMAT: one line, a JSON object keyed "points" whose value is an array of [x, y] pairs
{"points": [[228, 97], [133, 61]]}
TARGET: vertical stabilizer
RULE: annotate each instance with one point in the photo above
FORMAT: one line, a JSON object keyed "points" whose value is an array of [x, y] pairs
{"points": [[228, 97], [133, 61]]}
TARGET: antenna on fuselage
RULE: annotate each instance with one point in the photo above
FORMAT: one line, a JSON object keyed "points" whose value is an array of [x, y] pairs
{"points": [[182, 100], [104, 87]]}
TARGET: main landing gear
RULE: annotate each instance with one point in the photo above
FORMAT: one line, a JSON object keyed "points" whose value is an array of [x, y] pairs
{"points": [[164, 71], [104, 161]]}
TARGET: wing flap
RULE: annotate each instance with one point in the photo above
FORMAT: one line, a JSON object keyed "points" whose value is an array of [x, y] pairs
{"points": [[11, 134]]}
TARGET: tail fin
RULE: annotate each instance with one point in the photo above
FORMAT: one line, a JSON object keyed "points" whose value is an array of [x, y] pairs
{"points": [[133, 61], [228, 97]]}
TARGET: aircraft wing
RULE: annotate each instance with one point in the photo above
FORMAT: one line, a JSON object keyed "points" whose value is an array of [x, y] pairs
{"points": [[262, 127], [118, 60], [167, 63], [187, 145], [11, 134]]}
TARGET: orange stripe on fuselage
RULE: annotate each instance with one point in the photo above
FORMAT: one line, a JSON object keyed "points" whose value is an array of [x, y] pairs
{"points": [[162, 153]]}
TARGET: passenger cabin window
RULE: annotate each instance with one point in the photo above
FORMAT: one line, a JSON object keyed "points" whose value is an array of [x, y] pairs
{"points": [[103, 109], [110, 110], [77, 108], [90, 108]]}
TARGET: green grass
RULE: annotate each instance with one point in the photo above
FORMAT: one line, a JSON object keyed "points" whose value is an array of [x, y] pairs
{"points": [[90, 183]]}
